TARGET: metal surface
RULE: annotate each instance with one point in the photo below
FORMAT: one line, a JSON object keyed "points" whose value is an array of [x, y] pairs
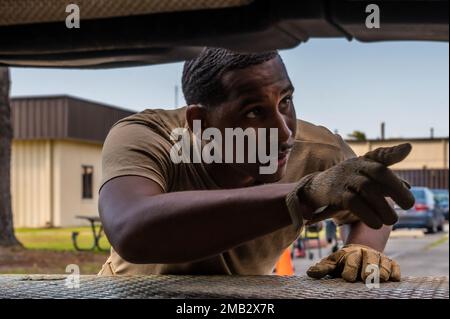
{"points": [[261, 287], [16, 12], [63, 117], [114, 35]]}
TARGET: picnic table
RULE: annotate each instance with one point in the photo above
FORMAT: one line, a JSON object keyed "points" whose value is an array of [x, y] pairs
{"points": [[97, 233], [227, 287]]}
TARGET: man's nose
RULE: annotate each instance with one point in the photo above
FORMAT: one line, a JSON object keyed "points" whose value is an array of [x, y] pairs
{"points": [[284, 132]]}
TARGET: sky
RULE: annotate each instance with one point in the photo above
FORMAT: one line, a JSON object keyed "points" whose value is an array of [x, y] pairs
{"points": [[342, 85]]}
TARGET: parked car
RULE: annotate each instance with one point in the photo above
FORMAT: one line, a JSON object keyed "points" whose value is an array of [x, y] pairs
{"points": [[426, 213], [441, 196]]}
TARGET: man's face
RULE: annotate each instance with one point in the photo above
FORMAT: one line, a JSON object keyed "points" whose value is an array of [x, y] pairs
{"points": [[259, 96]]}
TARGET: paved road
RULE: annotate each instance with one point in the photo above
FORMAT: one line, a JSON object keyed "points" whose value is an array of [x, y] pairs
{"points": [[417, 254]]}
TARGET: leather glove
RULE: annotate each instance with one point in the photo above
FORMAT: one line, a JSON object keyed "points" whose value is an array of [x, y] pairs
{"points": [[359, 185], [351, 263]]}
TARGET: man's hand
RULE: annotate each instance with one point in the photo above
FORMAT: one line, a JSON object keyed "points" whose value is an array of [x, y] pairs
{"points": [[351, 263], [361, 185]]}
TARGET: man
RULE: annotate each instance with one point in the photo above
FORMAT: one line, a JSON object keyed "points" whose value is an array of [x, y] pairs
{"points": [[163, 217]]}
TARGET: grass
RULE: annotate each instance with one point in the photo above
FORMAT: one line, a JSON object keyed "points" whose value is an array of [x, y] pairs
{"points": [[438, 242], [57, 239], [50, 250]]}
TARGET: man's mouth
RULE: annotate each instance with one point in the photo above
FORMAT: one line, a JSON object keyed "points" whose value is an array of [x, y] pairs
{"points": [[282, 158]]}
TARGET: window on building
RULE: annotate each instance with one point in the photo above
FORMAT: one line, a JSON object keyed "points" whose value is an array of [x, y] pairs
{"points": [[87, 181]]}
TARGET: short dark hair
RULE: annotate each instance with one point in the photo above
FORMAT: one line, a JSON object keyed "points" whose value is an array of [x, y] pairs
{"points": [[202, 76]]}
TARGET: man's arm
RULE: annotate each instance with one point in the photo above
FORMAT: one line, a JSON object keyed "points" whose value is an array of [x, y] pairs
{"points": [[145, 225], [360, 233]]}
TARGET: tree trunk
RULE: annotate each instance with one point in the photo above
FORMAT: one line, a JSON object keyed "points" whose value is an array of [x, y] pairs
{"points": [[7, 236]]}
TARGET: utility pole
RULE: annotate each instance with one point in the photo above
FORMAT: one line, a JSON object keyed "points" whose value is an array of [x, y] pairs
{"points": [[383, 131], [176, 96]]}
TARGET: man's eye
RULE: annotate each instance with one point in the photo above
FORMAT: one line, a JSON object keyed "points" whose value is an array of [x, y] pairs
{"points": [[287, 100], [253, 113]]}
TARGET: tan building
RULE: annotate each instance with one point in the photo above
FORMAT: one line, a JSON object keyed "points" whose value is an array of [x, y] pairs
{"points": [[427, 165], [56, 158]]}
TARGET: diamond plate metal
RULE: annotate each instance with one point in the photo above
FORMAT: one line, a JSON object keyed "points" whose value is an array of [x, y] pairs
{"points": [[262, 287], [13, 12]]}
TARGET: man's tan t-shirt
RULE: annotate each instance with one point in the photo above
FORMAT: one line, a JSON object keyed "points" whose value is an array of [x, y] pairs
{"points": [[140, 145]]}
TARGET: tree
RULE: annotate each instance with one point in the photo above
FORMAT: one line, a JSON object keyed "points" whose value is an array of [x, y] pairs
{"points": [[7, 236], [357, 136]]}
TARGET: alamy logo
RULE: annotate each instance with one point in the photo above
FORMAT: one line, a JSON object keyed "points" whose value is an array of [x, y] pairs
{"points": [[208, 146], [73, 280], [73, 19], [373, 279], [373, 19]]}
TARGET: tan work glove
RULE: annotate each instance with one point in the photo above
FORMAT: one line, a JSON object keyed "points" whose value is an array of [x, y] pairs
{"points": [[359, 185], [351, 263]]}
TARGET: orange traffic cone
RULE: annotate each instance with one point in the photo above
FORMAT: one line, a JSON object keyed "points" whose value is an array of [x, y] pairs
{"points": [[284, 265]]}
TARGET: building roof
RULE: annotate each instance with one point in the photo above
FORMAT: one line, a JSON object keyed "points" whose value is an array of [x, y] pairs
{"points": [[401, 139], [63, 117]]}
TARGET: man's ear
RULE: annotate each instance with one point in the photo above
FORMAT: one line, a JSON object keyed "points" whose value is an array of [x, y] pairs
{"points": [[196, 112]]}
